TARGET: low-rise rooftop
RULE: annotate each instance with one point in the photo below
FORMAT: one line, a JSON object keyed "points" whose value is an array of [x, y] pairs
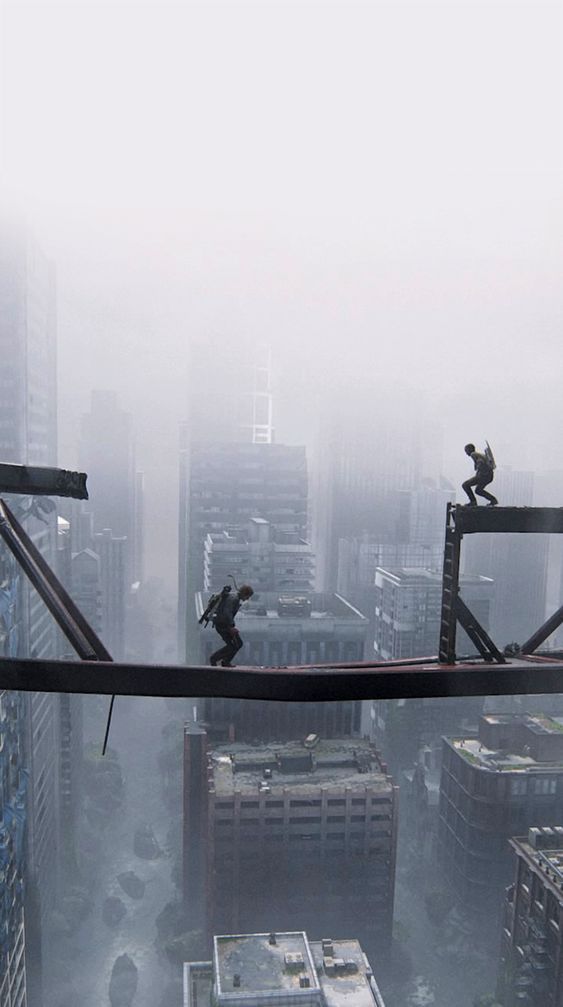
{"points": [[476, 752], [515, 741], [349, 982], [251, 970], [257, 964]]}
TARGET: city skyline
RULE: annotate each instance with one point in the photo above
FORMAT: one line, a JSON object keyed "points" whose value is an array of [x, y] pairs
{"points": [[266, 269]]}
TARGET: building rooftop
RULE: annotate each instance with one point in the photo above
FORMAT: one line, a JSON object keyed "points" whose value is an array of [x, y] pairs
{"points": [[515, 741], [539, 723], [544, 849], [251, 964], [420, 575], [476, 752], [306, 605], [345, 986], [331, 763], [254, 969]]}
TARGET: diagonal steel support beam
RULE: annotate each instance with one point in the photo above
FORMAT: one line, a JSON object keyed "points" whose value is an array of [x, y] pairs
{"points": [[68, 617], [541, 634], [66, 614], [478, 636]]}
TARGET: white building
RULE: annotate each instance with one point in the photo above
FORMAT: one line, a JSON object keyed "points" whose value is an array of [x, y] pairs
{"points": [[260, 555]]}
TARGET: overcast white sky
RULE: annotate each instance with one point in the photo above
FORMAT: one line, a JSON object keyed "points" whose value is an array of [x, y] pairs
{"points": [[376, 188]]}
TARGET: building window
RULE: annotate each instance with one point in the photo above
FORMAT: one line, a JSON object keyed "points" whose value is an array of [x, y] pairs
{"points": [[518, 785], [547, 785]]}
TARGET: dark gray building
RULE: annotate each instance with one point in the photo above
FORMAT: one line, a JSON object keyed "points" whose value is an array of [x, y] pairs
{"points": [[531, 961], [226, 484], [310, 827], [28, 435], [494, 787], [107, 454]]}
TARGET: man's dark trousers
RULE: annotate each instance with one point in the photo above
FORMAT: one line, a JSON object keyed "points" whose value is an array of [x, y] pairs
{"points": [[233, 643]]}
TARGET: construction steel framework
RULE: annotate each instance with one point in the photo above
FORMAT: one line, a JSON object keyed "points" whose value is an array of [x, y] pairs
{"points": [[442, 676], [469, 520]]}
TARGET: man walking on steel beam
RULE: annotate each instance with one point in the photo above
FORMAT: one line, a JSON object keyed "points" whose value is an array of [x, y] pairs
{"points": [[223, 619], [484, 474]]}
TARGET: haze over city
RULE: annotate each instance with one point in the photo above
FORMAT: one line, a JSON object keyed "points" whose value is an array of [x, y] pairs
{"points": [[274, 275], [373, 189]]}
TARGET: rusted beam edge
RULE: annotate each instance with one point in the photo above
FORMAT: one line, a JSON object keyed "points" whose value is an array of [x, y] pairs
{"points": [[35, 480], [287, 685]]}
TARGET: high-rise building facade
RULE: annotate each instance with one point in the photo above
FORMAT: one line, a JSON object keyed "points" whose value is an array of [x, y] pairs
{"points": [[13, 792], [494, 787], [407, 612], [28, 406], [230, 468], [28, 435], [365, 462], [257, 554], [112, 551], [225, 485], [310, 827], [107, 454], [531, 961]]}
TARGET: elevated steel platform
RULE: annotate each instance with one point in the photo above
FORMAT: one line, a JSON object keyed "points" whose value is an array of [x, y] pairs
{"points": [[522, 520]]}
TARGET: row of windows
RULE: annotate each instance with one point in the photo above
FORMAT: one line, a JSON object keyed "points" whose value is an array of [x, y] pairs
{"points": [[300, 820], [496, 786], [332, 802]]}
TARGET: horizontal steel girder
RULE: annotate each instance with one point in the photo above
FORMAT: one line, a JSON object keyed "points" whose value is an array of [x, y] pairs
{"points": [[519, 676], [539, 520]]}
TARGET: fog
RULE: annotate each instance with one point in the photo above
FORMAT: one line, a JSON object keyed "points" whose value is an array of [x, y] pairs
{"points": [[373, 191]]}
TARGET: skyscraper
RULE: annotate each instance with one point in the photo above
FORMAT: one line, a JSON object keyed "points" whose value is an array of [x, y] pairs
{"points": [[28, 411], [268, 559], [13, 786], [230, 469], [28, 404], [365, 459], [107, 454]]}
